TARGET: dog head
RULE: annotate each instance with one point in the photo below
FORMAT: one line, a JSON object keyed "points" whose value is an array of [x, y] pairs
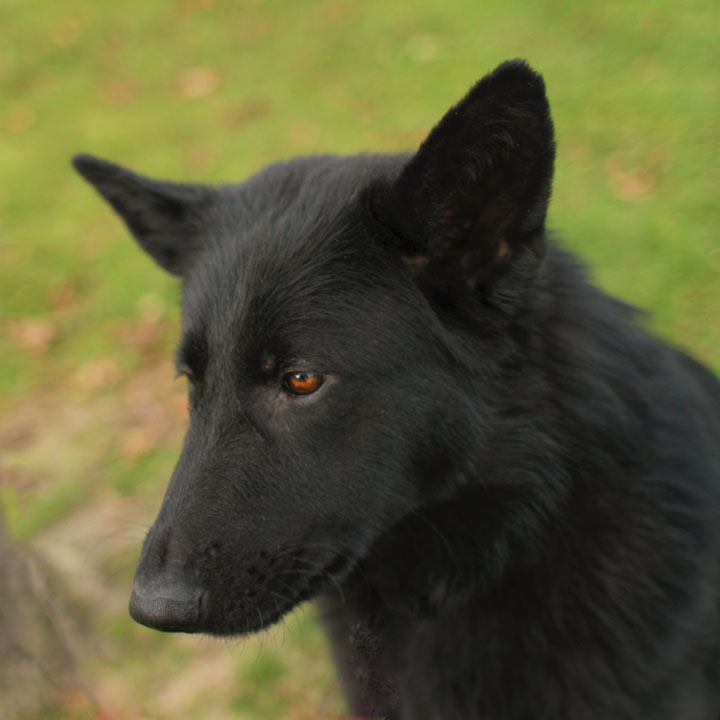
{"points": [[332, 315]]}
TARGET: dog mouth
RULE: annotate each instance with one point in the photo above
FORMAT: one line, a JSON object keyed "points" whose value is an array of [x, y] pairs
{"points": [[260, 597]]}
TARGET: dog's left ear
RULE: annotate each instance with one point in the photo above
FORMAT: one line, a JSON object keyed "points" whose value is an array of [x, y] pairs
{"points": [[477, 189], [164, 217]]}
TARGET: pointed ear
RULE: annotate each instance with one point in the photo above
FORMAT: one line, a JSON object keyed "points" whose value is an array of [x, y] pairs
{"points": [[477, 189], [164, 217]]}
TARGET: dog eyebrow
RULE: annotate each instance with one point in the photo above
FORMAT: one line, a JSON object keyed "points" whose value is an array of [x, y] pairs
{"points": [[192, 354]]}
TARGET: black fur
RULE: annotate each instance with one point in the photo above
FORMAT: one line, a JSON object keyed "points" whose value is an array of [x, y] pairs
{"points": [[505, 493]]}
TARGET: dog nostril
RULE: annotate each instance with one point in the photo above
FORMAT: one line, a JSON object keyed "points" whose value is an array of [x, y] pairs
{"points": [[173, 606]]}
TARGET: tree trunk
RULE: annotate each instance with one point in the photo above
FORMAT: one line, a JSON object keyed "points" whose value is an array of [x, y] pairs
{"points": [[37, 665]]}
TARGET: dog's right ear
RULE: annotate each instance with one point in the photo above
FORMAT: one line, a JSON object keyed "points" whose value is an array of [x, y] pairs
{"points": [[164, 217]]}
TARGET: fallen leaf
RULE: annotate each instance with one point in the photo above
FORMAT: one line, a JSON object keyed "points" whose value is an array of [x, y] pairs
{"points": [[35, 335], [96, 373], [138, 442], [246, 113], [143, 335], [630, 185], [200, 157], [117, 92], [17, 436], [198, 82], [19, 118], [62, 295], [19, 479]]}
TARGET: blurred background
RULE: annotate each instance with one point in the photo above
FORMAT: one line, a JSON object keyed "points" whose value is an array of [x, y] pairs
{"points": [[205, 90]]}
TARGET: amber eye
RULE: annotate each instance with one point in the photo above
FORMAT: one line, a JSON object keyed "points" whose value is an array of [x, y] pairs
{"points": [[302, 383]]}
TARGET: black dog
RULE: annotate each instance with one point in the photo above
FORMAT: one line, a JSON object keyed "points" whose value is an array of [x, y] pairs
{"points": [[406, 401]]}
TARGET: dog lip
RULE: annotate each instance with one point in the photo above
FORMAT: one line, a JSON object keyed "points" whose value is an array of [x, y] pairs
{"points": [[257, 618]]}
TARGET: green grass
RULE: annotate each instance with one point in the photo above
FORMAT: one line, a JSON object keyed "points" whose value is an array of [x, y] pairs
{"points": [[212, 90]]}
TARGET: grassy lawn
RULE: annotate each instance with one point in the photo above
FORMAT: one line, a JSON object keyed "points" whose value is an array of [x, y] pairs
{"points": [[91, 419]]}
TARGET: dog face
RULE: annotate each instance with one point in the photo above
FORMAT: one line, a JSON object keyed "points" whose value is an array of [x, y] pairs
{"points": [[328, 312]]}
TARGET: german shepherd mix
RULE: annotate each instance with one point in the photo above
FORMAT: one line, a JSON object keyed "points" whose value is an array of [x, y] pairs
{"points": [[407, 402]]}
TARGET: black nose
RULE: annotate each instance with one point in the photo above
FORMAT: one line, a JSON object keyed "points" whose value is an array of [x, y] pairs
{"points": [[172, 605]]}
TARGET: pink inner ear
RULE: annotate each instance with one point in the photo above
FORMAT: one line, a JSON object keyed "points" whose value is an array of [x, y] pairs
{"points": [[478, 226], [474, 229], [415, 263]]}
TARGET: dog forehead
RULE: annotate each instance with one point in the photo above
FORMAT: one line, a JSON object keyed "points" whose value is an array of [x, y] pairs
{"points": [[293, 266], [301, 267], [269, 272]]}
